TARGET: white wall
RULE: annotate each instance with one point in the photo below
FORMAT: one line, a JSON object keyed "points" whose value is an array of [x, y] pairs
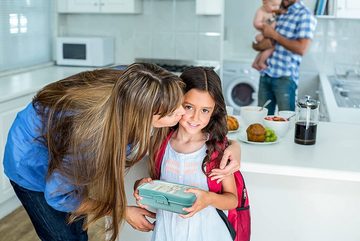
{"points": [[165, 29], [239, 31], [336, 41]]}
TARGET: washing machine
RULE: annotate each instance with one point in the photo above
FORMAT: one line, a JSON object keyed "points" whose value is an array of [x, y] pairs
{"points": [[240, 83]]}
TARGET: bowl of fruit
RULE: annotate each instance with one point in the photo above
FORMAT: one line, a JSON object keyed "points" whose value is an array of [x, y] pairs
{"points": [[278, 124]]}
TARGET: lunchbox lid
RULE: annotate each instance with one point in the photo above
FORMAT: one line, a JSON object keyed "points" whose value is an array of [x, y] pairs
{"points": [[167, 192]]}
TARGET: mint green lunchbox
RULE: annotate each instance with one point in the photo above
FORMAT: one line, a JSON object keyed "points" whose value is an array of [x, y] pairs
{"points": [[166, 196]]}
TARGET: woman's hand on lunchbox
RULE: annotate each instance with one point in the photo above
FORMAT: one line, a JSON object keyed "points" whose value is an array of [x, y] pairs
{"points": [[138, 218], [136, 191], [201, 202]]}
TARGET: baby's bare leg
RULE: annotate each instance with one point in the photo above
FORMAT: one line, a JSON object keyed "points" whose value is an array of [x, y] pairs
{"points": [[255, 64], [263, 56]]}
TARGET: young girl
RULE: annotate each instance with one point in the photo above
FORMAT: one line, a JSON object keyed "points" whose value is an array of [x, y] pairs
{"points": [[201, 132]]}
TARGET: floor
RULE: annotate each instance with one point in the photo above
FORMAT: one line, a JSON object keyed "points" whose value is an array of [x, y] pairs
{"points": [[17, 227]]}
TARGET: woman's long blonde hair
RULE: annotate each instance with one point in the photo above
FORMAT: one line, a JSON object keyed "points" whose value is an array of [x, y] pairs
{"points": [[89, 120]]}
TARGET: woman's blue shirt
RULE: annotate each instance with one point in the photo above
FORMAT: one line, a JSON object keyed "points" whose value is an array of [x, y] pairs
{"points": [[26, 163]]}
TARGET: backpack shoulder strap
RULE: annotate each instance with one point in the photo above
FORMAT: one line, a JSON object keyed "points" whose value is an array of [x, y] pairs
{"points": [[240, 184], [228, 224], [212, 184], [235, 216], [217, 187], [160, 154]]}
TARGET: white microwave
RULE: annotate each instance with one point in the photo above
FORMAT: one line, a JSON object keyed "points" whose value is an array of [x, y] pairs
{"points": [[85, 51]]}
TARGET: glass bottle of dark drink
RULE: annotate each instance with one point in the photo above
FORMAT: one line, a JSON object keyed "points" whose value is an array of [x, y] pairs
{"points": [[307, 118]]}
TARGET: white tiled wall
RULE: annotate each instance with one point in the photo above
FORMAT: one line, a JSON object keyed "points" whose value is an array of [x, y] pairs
{"points": [[165, 29], [340, 42], [186, 46], [239, 31]]}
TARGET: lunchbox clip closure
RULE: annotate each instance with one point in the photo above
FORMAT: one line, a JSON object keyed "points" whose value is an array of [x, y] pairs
{"points": [[161, 199]]}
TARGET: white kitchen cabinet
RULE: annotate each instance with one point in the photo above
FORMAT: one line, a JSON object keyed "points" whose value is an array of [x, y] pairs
{"points": [[99, 6], [209, 7], [8, 111], [294, 208], [347, 8]]}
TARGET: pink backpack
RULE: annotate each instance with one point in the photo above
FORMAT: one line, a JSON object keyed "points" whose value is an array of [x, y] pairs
{"points": [[238, 219]]}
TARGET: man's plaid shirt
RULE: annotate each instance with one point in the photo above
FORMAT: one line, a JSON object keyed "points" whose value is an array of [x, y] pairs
{"points": [[296, 23]]}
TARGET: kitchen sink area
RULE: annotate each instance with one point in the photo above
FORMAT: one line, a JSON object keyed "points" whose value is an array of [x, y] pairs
{"points": [[346, 90], [341, 93]]}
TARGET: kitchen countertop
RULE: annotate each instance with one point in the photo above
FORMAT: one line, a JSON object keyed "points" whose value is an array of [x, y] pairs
{"points": [[16, 85], [334, 156], [336, 113]]}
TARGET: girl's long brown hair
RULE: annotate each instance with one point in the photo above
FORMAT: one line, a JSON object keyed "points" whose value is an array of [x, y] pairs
{"points": [[89, 120], [206, 79]]}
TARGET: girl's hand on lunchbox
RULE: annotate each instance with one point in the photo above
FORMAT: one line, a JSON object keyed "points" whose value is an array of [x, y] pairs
{"points": [[136, 191], [201, 202]]}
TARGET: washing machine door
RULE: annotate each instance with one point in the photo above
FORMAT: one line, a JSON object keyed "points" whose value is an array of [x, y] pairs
{"points": [[241, 93]]}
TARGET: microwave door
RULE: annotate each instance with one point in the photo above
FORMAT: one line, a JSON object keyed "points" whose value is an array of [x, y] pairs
{"points": [[74, 51], [75, 54]]}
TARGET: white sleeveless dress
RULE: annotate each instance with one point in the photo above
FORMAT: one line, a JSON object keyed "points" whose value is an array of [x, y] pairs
{"points": [[205, 225]]}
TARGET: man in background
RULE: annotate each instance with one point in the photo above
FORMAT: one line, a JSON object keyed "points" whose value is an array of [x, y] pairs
{"points": [[292, 35]]}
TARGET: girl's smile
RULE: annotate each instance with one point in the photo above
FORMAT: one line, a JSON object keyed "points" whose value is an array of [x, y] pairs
{"points": [[199, 106]]}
